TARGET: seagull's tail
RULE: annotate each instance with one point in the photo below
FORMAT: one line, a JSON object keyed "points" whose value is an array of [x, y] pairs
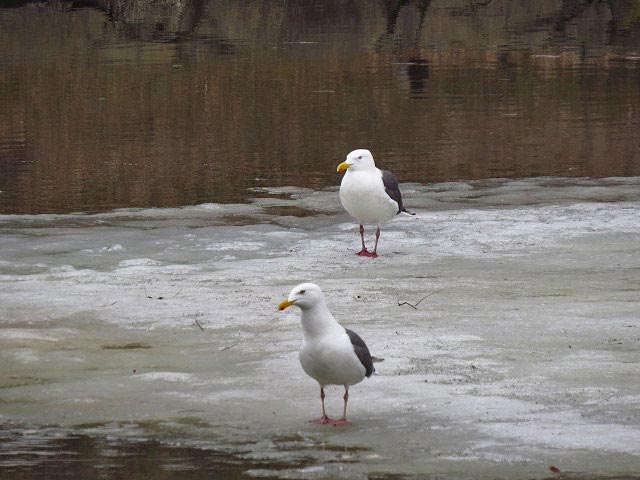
{"points": [[376, 360]]}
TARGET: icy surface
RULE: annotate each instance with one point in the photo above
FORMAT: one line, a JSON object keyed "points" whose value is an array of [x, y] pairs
{"points": [[162, 323]]}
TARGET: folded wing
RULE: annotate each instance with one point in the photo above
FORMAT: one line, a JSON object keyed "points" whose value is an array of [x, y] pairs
{"points": [[362, 351], [393, 190]]}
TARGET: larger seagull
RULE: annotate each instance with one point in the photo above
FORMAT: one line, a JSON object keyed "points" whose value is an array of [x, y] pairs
{"points": [[330, 353], [369, 194]]}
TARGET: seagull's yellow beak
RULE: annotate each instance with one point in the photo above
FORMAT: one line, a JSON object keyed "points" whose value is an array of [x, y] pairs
{"points": [[285, 304], [344, 166]]}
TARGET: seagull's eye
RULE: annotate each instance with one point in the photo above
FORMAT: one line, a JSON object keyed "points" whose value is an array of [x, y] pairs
{"points": [[302, 292], [360, 157]]}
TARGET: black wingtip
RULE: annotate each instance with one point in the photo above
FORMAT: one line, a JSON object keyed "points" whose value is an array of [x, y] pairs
{"points": [[404, 210]]}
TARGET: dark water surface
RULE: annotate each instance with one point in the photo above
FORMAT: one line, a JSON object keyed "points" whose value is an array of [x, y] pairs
{"points": [[60, 457], [106, 105], [82, 457]]}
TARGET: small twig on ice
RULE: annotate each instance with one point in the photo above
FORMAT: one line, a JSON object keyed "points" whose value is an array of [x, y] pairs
{"points": [[603, 399], [149, 296], [198, 323], [177, 293], [415, 307], [227, 348]]}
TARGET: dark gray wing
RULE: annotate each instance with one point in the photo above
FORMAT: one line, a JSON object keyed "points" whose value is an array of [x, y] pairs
{"points": [[361, 351], [392, 189]]}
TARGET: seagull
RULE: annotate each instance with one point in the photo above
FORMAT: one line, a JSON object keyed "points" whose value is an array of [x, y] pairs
{"points": [[369, 194], [330, 353]]}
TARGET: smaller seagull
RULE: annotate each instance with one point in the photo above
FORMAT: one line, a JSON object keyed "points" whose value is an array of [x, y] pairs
{"points": [[369, 194], [330, 353]]}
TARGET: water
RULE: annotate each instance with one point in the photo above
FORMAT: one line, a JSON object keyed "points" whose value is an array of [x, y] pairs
{"points": [[144, 341], [58, 455], [166, 106]]}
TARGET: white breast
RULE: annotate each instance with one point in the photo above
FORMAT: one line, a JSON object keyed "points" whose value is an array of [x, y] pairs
{"points": [[331, 361], [363, 196]]}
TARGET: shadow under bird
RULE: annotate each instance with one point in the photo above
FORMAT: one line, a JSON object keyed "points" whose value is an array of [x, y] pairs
{"points": [[369, 194], [330, 353]]}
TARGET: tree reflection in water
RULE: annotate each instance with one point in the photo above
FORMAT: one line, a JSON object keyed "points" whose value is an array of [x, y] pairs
{"points": [[111, 104]]}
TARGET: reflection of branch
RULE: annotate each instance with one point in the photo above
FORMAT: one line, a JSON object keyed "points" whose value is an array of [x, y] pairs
{"points": [[393, 12], [570, 9], [192, 16], [415, 307], [392, 15], [423, 6], [167, 20]]}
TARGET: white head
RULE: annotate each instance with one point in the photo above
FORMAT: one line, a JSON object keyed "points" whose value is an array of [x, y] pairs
{"points": [[358, 160], [305, 296]]}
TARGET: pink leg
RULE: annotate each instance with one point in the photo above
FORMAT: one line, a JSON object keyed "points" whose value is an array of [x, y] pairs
{"points": [[323, 419], [375, 247], [364, 252], [343, 421]]}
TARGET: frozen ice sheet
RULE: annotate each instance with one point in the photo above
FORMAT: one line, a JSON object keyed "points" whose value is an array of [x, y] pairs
{"points": [[162, 324]]}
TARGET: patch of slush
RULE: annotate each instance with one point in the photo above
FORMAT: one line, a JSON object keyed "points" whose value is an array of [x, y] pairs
{"points": [[49, 335], [163, 322], [22, 355], [562, 433], [167, 376]]}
